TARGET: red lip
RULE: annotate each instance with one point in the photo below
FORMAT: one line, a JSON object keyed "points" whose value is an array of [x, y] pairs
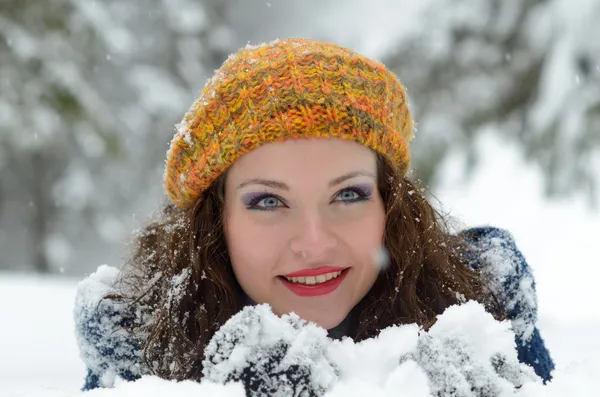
{"points": [[315, 272], [315, 289]]}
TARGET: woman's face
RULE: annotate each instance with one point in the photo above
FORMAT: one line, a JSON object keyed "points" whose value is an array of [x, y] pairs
{"points": [[304, 222]]}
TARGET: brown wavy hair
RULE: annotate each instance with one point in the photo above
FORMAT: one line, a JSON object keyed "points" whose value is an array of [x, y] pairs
{"points": [[179, 274]]}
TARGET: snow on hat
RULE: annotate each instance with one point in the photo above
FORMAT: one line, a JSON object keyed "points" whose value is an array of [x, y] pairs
{"points": [[286, 89]]}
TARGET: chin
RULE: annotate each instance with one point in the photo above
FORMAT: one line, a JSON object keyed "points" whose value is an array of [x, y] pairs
{"points": [[322, 319]]}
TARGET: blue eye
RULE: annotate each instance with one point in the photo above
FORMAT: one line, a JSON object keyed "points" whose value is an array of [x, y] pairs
{"points": [[353, 194], [264, 202], [348, 195], [268, 202]]}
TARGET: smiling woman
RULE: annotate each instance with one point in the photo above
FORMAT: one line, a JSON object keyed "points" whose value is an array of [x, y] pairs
{"points": [[303, 237], [287, 186]]}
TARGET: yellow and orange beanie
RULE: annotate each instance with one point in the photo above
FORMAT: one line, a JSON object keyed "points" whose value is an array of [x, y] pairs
{"points": [[293, 88]]}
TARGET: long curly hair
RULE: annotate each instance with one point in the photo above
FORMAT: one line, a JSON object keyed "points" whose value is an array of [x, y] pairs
{"points": [[179, 272]]}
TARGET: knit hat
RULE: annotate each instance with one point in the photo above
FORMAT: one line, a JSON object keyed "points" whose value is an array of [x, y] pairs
{"points": [[286, 89]]}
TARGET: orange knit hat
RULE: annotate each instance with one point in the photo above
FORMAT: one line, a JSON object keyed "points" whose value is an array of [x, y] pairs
{"points": [[293, 88]]}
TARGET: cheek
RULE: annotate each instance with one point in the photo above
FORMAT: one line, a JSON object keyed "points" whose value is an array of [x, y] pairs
{"points": [[366, 235], [253, 249], [365, 240]]}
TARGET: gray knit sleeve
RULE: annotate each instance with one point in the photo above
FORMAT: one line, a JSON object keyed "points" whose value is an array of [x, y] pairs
{"points": [[510, 280], [106, 346]]}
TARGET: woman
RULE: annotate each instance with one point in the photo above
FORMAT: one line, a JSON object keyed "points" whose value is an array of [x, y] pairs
{"points": [[287, 185]]}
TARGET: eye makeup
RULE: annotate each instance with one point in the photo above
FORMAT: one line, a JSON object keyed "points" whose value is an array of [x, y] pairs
{"points": [[364, 191], [252, 198]]}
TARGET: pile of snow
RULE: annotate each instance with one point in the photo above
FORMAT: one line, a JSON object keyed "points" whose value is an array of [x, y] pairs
{"points": [[149, 386], [466, 353]]}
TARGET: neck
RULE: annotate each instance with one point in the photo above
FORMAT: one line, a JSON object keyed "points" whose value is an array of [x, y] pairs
{"points": [[342, 329]]}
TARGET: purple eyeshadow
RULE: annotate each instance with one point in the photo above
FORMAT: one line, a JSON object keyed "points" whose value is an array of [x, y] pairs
{"points": [[249, 197], [367, 188]]}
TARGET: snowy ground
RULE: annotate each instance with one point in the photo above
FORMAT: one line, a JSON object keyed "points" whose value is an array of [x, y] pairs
{"points": [[558, 238], [38, 355]]}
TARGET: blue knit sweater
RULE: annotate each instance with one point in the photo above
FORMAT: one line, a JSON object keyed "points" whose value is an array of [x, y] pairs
{"points": [[110, 351]]}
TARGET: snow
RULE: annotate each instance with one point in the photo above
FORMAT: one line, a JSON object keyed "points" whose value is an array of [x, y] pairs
{"points": [[466, 349], [191, 21], [283, 354], [37, 343], [118, 38], [163, 95], [459, 353], [147, 387]]}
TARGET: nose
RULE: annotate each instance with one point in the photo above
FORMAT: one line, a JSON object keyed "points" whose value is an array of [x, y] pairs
{"points": [[313, 237]]}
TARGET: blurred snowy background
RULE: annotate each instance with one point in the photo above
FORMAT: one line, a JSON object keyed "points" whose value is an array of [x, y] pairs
{"points": [[506, 94]]}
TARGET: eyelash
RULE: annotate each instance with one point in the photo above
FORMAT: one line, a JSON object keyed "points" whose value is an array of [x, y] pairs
{"points": [[362, 196]]}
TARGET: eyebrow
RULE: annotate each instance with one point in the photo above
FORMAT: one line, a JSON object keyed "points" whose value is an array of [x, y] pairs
{"points": [[282, 186]]}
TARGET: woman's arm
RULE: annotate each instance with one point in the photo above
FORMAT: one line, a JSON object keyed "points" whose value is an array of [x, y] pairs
{"points": [[510, 281], [106, 346]]}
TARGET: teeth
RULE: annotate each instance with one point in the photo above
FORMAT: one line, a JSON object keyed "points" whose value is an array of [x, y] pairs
{"points": [[314, 280]]}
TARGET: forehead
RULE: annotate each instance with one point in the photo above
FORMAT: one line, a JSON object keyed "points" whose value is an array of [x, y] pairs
{"points": [[293, 157]]}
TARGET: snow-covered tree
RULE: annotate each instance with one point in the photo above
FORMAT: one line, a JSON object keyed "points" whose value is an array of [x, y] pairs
{"points": [[528, 70], [91, 91]]}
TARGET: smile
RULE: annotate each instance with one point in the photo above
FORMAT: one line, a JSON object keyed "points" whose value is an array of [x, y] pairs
{"points": [[314, 279], [314, 282]]}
